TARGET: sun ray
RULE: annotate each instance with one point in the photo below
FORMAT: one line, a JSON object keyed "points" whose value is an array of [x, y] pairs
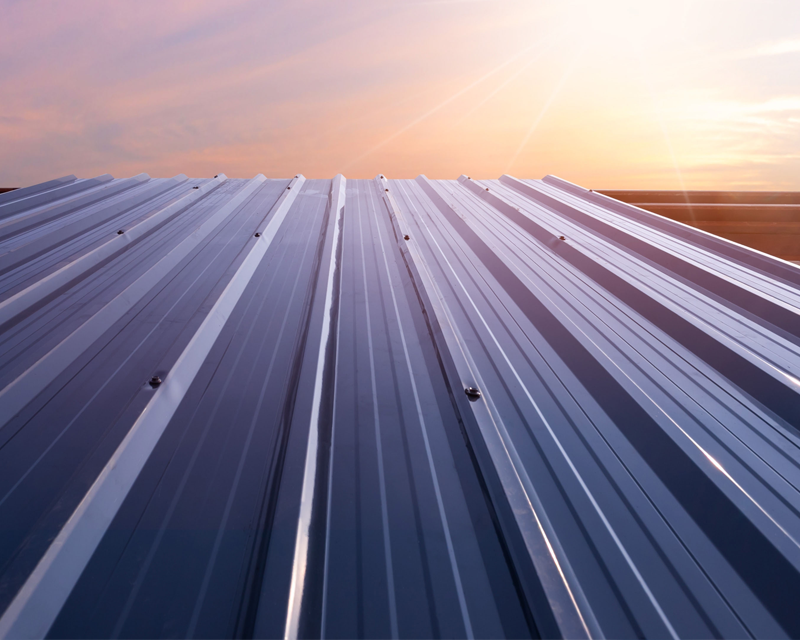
{"points": [[565, 76], [665, 133], [497, 89], [442, 104]]}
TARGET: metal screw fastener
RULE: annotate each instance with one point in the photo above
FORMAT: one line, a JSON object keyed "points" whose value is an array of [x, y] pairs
{"points": [[216, 176], [561, 238], [406, 238], [258, 235], [155, 381], [288, 187], [487, 188], [387, 190], [472, 393], [120, 232]]}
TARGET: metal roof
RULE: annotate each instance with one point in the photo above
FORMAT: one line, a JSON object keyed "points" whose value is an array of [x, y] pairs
{"points": [[390, 408]]}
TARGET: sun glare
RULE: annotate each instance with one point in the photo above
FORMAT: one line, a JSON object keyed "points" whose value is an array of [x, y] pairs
{"points": [[612, 92]]}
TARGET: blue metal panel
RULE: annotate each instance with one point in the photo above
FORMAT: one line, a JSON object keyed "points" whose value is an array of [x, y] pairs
{"points": [[390, 408]]}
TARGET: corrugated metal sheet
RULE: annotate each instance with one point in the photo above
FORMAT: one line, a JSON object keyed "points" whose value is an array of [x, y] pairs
{"points": [[390, 408]]}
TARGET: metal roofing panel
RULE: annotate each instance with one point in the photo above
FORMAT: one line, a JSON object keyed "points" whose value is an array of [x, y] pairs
{"points": [[390, 408]]}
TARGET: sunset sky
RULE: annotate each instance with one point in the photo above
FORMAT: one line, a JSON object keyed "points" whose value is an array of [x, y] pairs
{"points": [[608, 94]]}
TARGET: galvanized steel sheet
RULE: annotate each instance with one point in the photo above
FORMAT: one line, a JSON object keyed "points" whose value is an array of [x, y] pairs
{"points": [[390, 408]]}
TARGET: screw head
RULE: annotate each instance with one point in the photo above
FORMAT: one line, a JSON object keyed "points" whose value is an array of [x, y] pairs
{"points": [[288, 187], [387, 190], [120, 232], [561, 238], [406, 238], [487, 188], [258, 235], [195, 187], [472, 393], [155, 381], [216, 176]]}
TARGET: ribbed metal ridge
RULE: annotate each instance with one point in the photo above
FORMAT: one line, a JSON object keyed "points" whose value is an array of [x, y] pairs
{"points": [[390, 408]]}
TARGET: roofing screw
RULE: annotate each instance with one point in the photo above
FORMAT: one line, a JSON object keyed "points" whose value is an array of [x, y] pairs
{"points": [[258, 235], [195, 187], [216, 176], [406, 238], [472, 393], [561, 238], [155, 381], [120, 232], [288, 187], [487, 188], [387, 191]]}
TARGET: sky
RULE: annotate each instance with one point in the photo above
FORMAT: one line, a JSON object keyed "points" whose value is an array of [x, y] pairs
{"points": [[662, 94]]}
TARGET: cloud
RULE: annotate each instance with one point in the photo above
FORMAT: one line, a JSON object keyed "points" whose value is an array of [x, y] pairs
{"points": [[778, 48], [737, 142], [306, 85]]}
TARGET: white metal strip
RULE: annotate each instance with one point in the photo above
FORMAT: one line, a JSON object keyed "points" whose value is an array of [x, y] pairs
{"points": [[37, 216], [310, 473], [100, 213], [550, 561], [462, 601], [39, 199], [24, 192], [26, 298], [36, 606], [33, 381]]}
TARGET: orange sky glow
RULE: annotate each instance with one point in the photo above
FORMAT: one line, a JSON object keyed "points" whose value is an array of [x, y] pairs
{"points": [[699, 94]]}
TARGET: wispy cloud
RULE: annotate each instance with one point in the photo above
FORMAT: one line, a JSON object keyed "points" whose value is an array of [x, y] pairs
{"points": [[247, 86], [441, 105], [777, 48], [757, 142]]}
